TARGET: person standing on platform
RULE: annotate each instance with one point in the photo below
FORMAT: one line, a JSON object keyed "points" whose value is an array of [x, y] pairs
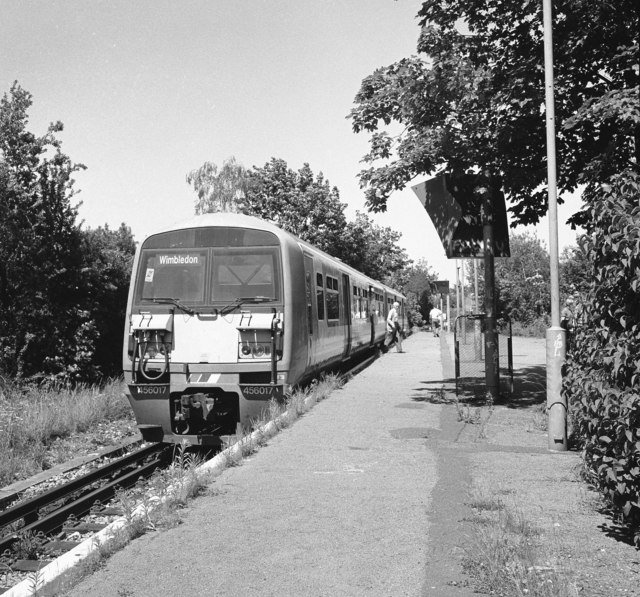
{"points": [[393, 328]]}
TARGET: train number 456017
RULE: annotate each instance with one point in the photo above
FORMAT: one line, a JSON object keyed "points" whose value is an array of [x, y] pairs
{"points": [[261, 392]]}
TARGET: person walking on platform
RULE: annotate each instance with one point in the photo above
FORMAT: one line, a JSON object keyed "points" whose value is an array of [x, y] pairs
{"points": [[394, 333], [436, 320]]}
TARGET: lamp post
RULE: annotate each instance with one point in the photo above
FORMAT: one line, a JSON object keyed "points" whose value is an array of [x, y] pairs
{"points": [[556, 336]]}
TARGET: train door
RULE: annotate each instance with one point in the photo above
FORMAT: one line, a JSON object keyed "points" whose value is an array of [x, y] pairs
{"points": [[312, 319], [403, 313], [371, 314], [346, 301]]}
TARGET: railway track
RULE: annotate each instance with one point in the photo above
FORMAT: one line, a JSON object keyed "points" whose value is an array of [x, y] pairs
{"points": [[46, 519]]}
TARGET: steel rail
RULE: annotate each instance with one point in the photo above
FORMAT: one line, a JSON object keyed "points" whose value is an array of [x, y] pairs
{"points": [[11, 493], [81, 506], [32, 506]]}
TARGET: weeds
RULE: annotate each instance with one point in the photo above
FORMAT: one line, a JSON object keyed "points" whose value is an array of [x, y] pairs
{"points": [[35, 582], [474, 415], [506, 556], [539, 419], [28, 545]]}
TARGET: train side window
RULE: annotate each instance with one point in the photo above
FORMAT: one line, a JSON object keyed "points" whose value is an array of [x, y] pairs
{"points": [[320, 296], [308, 291], [333, 299]]}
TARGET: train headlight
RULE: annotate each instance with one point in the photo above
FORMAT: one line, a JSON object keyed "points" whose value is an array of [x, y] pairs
{"points": [[255, 350], [254, 344]]}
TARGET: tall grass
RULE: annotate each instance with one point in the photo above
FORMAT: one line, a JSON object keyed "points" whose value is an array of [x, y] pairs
{"points": [[32, 418]]}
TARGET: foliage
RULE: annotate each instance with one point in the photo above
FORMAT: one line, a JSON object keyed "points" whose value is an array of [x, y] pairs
{"points": [[523, 280], [473, 100], [575, 270], [40, 246], [416, 282], [223, 190], [602, 381], [61, 288], [107, 261], [299, 202], [374, 250]]}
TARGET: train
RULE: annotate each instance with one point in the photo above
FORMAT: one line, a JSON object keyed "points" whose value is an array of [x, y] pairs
{"points": [[227, 312]]}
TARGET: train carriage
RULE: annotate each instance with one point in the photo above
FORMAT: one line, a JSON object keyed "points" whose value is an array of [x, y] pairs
{"points": [[226, 312]]}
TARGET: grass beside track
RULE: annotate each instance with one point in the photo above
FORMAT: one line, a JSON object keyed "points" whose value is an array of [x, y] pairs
{"points": [[33, 419]]}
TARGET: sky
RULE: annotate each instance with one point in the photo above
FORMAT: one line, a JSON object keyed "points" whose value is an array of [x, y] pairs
{"points": [[150, 90]]}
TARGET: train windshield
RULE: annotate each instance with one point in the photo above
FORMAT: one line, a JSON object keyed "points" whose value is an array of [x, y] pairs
{"points": [[210, 266], [245, 274], [178, 275]]}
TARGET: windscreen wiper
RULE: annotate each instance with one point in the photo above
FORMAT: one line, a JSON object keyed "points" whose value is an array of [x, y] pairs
{"points": [[167, 300], [245, 299]]}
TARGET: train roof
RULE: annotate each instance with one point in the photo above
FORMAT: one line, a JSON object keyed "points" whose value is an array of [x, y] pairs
{"points": [[222, 219], [245, 221]]}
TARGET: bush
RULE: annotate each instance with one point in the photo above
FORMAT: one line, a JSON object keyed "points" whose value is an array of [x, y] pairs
{"points": [[602, 374]]}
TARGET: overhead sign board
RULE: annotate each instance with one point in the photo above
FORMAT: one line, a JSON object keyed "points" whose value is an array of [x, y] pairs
{"points": [[441, 287], [455, 210]]}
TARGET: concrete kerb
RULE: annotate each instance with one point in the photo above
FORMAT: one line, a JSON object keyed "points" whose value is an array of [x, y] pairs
{"points": [[47, 580]]}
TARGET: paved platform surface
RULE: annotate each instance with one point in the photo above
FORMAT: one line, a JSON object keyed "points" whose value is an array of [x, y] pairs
{"points": [[364, 495]]}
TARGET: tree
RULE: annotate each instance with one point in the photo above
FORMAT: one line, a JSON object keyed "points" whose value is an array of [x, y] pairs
{"points": [[473, 100], [418, 287], [225, 190], [63, 290], [107, 260], [39, 243], [523, 280], [374, 250], [575, 270], [299, 202]]}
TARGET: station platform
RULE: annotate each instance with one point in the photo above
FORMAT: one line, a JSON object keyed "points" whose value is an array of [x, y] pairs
{"points": [[366, 494]]}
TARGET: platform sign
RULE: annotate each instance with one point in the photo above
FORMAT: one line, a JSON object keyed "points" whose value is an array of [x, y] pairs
{"points": [[441, 287], [455, 210]]}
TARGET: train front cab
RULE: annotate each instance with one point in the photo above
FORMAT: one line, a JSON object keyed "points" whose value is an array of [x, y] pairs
{"points": [[208, 342]]}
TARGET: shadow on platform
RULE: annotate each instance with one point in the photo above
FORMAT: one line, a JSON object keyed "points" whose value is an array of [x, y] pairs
{"points": [[529, 389]]}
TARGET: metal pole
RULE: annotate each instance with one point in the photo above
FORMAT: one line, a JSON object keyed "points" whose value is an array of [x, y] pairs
{"points": [[448, 312], [457, 289], [464, 303], [491, 356], [477, 331], [556, 337], [475, 285]]}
